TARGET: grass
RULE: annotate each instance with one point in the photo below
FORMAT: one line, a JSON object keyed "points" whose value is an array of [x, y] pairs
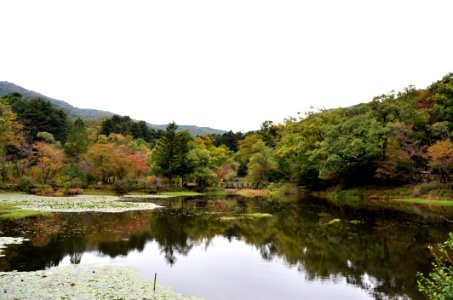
{"points": [[425, 201], [252, 193], [11, 211], [95, 192], [180, 194]]}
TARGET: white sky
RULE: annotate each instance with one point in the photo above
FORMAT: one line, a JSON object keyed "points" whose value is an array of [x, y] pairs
{"points": [[227, 64]]}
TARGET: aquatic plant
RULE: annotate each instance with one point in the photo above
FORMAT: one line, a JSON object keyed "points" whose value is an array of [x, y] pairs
{"points": [[84, 282], [84, 203]]}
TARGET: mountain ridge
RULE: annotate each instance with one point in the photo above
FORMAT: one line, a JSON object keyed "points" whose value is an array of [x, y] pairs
{"points": [[92, 114]]}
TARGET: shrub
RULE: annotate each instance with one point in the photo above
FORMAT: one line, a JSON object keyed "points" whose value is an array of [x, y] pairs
{"points": [[433, 189], [121, 187], [73, 192], [26, 184], [43, 190], [439, 283]]}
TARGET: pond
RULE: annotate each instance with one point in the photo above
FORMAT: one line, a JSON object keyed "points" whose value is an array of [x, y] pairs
{"points": [[239, 248]]}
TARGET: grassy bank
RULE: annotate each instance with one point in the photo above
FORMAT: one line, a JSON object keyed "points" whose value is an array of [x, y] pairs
{"points": [[435, 194]]}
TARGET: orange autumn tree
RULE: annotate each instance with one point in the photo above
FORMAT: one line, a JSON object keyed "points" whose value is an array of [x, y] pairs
{"points": [[48, 161], [441, 158]]}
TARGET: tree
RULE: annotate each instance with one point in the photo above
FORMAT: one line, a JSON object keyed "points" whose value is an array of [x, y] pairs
{"points": [[261, 165], [107, 162], [11, 138], [77, 142], [10, 129], [441, 158], [38, 115], [169, 157], [126, 126], [49, 161]]}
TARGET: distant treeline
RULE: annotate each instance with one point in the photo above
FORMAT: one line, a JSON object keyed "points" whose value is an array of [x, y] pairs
{"points": [[399, 137]]}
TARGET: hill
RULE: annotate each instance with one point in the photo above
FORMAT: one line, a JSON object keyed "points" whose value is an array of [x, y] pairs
{"points": [[88, 113]]}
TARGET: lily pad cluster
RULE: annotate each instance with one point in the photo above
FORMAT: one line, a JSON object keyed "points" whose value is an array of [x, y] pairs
{"points": [[5, 241], [82, 203], [83, 282]]}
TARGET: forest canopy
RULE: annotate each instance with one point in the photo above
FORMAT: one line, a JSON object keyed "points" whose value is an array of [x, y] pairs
{"points": [[399, 137]]}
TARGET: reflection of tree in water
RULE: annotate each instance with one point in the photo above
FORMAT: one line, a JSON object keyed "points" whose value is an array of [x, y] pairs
{"points": [[171, 232], [377, 255], [75, 257]]}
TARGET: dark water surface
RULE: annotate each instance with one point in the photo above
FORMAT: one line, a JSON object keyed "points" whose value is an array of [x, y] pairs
{"points": [[214, 248]]}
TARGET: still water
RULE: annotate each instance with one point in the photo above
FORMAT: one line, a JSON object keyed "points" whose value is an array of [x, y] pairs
{"points": [[237, 248]]}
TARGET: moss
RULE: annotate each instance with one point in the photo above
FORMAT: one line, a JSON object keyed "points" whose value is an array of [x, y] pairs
{"points": [[441, 202]]}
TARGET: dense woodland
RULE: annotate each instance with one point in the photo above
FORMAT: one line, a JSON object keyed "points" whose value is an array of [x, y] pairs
{"points": [[400, 137]]}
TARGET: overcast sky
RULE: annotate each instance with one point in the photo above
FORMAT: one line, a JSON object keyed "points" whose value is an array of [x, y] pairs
{"points": [[227, 64]]}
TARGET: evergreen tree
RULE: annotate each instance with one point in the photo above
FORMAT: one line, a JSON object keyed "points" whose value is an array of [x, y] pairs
{"points": [[169, 157], [77, 142]]}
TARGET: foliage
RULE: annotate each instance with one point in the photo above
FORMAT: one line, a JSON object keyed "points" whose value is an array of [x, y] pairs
{"points": [[48, 160], [38, 115], [126, 126], [77, 142], [441, 154], [169, 158], [439, 283]]}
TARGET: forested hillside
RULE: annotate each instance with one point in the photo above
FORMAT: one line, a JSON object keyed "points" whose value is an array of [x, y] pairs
{"points": [[7, 88], [400, 137]]}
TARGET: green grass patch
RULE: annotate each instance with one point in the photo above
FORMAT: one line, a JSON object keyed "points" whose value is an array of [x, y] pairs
{"points": [[252, 193], [11, 211], [180, 194], [425, 201], [216, 193], [95, 192]]}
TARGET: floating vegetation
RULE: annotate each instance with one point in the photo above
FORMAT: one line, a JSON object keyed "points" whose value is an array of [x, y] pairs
{"points": [[5, 241], [83, 282], [334, 221], [245, 216], [83, 203], [155, 196], [179, 194]]}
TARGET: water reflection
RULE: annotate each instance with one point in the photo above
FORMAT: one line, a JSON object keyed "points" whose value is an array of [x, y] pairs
{"points": [[378, 251]]}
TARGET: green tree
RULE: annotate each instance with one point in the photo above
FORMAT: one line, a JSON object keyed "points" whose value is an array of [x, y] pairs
{"points": [[169, 157], [38, 115], [77, 142], [261, 165]]}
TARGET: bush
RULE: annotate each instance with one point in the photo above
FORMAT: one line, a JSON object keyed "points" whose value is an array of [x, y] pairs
{"points": [[433, 189], [73, 192], [439, 283], [43, 190], [26, 184], [121, 187]]}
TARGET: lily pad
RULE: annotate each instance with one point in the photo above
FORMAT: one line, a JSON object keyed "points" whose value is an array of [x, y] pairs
{"points": [[83, 203], [84, 282], [5, 241]]}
